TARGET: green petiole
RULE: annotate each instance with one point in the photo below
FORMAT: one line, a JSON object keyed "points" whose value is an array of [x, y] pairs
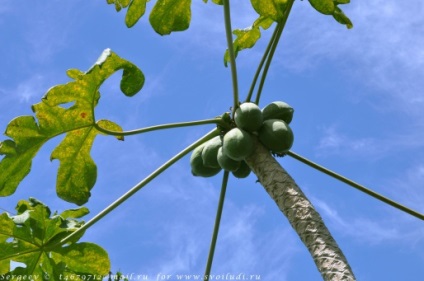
{"points": [[356, 185], [228, 32], [138, 186], [279, 31], [217, 121], [217, 224], [261, 64]]}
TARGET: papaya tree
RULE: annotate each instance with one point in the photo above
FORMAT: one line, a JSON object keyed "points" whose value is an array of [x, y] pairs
{"points": [[248, 139]]}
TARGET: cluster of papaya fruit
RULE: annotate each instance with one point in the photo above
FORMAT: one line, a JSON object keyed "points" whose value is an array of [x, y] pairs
{"points": [[270, 125]]}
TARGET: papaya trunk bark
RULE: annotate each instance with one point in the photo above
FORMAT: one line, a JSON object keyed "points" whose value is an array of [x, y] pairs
{"points": [[301, 214]]}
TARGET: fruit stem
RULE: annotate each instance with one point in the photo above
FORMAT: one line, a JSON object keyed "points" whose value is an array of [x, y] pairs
{"points": [[216, 226], [228, 32], [280, 27], [217, 120], [141, 184], [355, 185]]}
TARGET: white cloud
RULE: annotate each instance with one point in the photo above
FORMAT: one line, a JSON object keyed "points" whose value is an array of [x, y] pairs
{"points": [[337, 142], [29, 89], [362, 229], [407, 186], [383, 50]]}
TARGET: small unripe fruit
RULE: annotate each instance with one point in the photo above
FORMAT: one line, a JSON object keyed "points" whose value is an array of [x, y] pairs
{"points": [[276, 135], [210, 152], [237, 144], [243, 171], [278, 110], [248, 116], [226, 162], [197, 167]]}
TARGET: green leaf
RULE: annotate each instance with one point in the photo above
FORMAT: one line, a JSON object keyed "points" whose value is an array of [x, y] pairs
{"points": [[247, 38], [273, 9], [329, 7], [340, 17], [135, 11], [170, 15], [77, 171], [34, 242], [325, 7], [119, 4]]}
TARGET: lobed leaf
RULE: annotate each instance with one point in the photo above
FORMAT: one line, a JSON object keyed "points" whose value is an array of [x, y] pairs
{"points": [[31, 237], [170, 15], [77, 171]]}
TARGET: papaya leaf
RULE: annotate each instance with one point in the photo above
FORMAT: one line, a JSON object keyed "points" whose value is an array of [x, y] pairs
{"points": [[325, 7], [135, 11], [77, 171], [119, 4], [340, 17], [330, 7], [218, 2], [273, 9], [31, 237], [247, 38], [170, 15]]}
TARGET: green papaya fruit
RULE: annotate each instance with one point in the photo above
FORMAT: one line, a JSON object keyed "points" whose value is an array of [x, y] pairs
{"points": [[248, 117], [197, 167], [226, 162], [278, 110], [276, 135], [210, 152], [243, 171], [237, 144]]}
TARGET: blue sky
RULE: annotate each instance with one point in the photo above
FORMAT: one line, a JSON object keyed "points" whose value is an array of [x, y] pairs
{"points": [[358, 103]]}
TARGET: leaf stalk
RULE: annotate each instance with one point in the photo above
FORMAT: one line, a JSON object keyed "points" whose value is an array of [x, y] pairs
{"points": [[356, 185], [229, 35], [217, 121], [279, 30], [141, 184], [216, 226]]}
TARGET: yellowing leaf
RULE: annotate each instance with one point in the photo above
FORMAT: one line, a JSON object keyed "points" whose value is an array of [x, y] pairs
{"points": [[247, 38], [77, 172], [170, 15], [273, 9], [135, 11]]}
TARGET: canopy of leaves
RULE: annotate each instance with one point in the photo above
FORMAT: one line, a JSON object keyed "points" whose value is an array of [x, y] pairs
{"points": [[175, 15], [31, 238], [77, 171]]}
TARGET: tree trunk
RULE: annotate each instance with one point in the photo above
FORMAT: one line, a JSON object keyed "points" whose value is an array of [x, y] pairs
{"points": [[303, 217]]}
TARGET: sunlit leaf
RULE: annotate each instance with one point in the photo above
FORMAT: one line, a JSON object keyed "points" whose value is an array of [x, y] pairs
{"points": [[342, 18], [119, 4], [77, 171], [247, 38], [325, 7], [135, 11], [170, 15], [31, 238], [273, 9], [329, 7]]}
